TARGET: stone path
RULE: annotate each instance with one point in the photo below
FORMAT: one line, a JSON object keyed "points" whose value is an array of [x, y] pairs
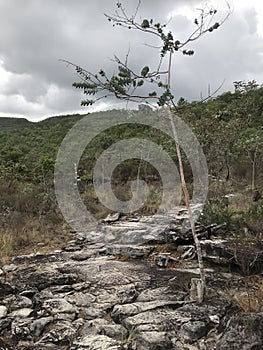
{"points": [[114, 296]]}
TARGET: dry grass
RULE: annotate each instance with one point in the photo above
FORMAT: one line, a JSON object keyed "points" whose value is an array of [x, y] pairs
{"points": [[250, 299], [32, 236]]}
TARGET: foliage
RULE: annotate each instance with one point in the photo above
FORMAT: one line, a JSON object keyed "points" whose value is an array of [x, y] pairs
{"points": [[28, 152], [218, 211], [128, 82]]}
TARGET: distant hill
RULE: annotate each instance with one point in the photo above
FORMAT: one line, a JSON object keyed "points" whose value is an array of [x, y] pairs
{"points": [[10, 123]]}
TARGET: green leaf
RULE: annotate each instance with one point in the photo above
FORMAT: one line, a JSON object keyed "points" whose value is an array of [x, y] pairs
{"points": [[145, 24], [152, 94], [145, 71]]}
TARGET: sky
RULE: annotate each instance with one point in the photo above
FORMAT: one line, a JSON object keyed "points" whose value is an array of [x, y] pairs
{"points": [[36, 34]]}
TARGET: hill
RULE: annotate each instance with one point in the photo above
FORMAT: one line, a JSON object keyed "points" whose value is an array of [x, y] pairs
{"points": [[229, 129], [11, 123]]}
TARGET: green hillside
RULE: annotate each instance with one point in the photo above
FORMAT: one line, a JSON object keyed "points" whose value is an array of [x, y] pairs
{"points": [[11, 123], [229, 128]]}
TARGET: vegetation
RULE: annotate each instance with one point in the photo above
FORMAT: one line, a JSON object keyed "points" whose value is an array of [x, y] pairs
{"points": [[229, 128], [29, 213], [128, 84]]}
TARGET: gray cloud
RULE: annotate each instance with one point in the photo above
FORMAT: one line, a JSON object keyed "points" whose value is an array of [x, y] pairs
{"points": [[35, 34]]}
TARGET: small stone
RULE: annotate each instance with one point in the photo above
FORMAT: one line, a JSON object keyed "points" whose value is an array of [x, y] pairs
{"points": [[38, 325], [214, 318], [21, 313], [3, 311], [112, 217], [9, 268]]}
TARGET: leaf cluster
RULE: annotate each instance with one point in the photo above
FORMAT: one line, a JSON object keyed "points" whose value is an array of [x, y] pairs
{"points": [[132, 85]]}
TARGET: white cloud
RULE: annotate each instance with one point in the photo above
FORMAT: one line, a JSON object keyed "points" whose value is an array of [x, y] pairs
{"points": [[35, 34]]}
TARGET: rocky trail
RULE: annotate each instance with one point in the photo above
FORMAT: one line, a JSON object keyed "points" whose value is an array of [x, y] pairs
{"points": [[120, 287]]}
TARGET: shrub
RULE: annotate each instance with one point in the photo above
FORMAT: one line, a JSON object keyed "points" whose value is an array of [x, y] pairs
{"points": [[218, 211], [254, 217]]}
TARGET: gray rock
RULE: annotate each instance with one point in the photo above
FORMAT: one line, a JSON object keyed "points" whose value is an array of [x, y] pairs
{"points": [[120, 311], [129, 251], [87, 298], [164, 259], [189, 254], [5, 323], [61, 331], [191, 331], [9, 268], [3, 311], [20, 329], [95, 342], [154, 341], [102, 326], [16, 302], [38, 325], [81, 299], [112, 217], [60, 309], [21, 313], [6, 289]]}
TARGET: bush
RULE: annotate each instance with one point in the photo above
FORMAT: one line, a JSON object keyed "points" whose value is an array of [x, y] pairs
{"points": [[254, 218], [218, 211]]}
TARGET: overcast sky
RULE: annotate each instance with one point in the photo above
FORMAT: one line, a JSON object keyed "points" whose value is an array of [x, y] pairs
{"points": [[35, 34]]}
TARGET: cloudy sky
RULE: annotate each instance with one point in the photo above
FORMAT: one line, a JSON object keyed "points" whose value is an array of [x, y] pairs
{"points": [[35, 34]]}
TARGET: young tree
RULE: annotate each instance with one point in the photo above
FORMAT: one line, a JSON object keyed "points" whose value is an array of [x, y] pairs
{"points": [[249, 145], [129, 85]]}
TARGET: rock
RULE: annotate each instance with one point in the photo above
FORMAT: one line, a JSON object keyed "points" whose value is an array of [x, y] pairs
{"points": [[163, 259], [189, 254], [72, 248], [44, 279], [101, 326], [95, 342], [9, 268], [16, 302], [60, 309], [92, 312], [81, 299], [191, 331], [154, 341], [3, 311], [248, 257], [81, 286], [129, 251], [82, 256], [217, 251], [112, 218], [102, 294], [20, 329], [38, 325], [62, 330], [121, 311], [5, 323], [21, 313], [36, 258], [5, 289]]}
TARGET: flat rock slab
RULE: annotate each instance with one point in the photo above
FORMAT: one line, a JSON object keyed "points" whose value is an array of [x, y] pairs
{"points": [[110, 295]]}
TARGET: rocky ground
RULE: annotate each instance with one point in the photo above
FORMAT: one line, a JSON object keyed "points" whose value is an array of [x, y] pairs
{"points": [[126, 285]]}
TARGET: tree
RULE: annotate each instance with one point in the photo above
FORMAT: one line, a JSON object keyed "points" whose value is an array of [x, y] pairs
{"points": [[250, 144], [129, 84]]}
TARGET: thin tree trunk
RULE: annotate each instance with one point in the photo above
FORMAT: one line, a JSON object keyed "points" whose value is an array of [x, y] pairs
{"points": [[200, 293], [253, 171]]}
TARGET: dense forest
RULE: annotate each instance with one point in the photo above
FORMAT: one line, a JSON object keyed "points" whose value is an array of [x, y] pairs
{"points": [[229, 128]]}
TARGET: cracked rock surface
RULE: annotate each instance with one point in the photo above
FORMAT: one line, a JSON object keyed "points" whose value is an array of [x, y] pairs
{"points": [[112, 296]]}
